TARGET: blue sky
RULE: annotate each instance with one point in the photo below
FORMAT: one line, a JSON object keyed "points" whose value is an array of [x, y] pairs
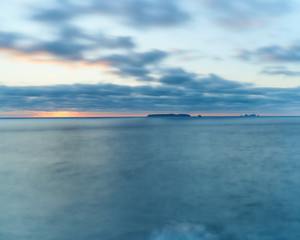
{"points": [[134, 57]]}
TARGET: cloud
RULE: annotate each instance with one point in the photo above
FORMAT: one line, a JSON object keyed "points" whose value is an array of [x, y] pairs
{"points": [[213, 83], [280, 70], [8, 39], [241, 14], [71, 43], [273, 53], [137, 13], [177, 76], [210, 94], [63, 12], [135, 64]]}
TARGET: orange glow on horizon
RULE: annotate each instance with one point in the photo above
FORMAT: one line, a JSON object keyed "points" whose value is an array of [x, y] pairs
{"points": [[56, 114], [48, 58], [70, 114], [63, 114], [66, 114]]}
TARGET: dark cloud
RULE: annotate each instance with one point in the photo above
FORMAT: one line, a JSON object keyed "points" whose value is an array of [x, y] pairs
{"points": [[71, 43], [274, 53], [60, 14], [217, 84], [137, 58], [143, 12], [213, 83], [241, 14], [8, 39], [177, 76], [53, 15], [211, 94], [280, 70], [138, 13], [98, 40], [135, 64]]}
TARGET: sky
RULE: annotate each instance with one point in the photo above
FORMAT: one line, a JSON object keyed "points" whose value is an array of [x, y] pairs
{"points": [[72, 58]]}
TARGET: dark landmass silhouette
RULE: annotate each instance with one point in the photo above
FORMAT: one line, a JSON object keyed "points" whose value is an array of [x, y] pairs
{"points": [[250, 115], [169, 115]]}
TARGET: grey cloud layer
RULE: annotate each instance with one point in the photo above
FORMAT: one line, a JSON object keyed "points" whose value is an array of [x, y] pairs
{"points": [[233, 14], [70, 44], [211, 94], [280, 70], [135, 64], [145, 13], [274, 53], [241, 14]]}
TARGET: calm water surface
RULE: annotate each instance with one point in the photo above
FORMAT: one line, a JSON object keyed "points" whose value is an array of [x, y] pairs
{"points": [[150, 179]]}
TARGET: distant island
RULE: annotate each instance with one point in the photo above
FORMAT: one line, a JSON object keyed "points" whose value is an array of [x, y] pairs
{"points": [[185, 115], [249, 115], [169, 115]]}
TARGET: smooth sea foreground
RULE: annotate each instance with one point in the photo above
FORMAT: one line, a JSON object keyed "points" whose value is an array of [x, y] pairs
{"points": [[150, 179]]}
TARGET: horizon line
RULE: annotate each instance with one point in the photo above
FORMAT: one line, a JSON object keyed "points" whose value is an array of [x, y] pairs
{"points": [[138, 116]]}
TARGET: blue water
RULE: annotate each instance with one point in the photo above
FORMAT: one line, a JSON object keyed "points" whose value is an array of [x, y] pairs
{"points": [[150, 179]]}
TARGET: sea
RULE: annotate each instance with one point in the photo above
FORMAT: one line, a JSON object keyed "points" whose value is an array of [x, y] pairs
{"points": [[209, 178]]}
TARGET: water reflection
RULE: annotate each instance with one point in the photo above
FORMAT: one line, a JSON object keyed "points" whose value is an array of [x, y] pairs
{"points": [[157, 179]]}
